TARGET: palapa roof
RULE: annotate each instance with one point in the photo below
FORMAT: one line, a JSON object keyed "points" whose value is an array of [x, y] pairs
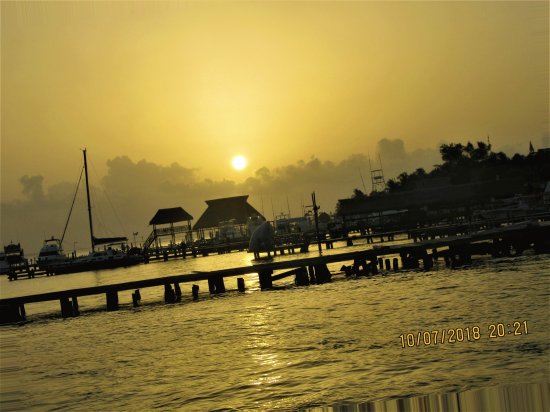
{"points": [[227, 208], [171, 215]]}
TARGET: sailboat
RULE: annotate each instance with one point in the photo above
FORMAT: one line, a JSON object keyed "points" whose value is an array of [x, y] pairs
{"points": [[52, 259]]}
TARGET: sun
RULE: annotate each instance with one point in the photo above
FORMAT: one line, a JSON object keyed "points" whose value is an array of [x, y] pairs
{"points": [[238, 162]]}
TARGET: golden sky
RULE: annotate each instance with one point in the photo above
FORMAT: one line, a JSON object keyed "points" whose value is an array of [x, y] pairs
{"points": [[198, 82]]}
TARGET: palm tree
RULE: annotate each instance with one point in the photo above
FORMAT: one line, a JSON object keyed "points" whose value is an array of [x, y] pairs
{"points": [[481, 152], [451, 153]]}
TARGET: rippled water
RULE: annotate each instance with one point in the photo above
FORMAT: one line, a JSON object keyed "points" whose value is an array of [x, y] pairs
{"points": [[322, 345]]}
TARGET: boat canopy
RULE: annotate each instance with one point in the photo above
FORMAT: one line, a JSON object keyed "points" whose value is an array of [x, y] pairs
{"points": [[108, 240]]}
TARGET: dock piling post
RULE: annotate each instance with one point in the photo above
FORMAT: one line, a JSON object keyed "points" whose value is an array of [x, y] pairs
{"points": [[388, 266], [66, 307], [427, 262], [177, 290], [76, 311], [322, 274], [22, 311], [373, 266], [301, 278], [195, 292], [12, 313], [211, 286], [312, 277], [240, 284], [169, 295], [265, 279], [395, 264], [112, 300], [220, 285]]}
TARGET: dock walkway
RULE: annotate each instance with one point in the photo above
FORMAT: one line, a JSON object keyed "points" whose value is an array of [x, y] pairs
{"points": [[456, 250]]}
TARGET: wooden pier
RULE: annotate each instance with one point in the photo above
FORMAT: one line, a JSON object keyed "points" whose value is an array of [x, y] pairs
{"points": [[178, 252], [455, 250]]}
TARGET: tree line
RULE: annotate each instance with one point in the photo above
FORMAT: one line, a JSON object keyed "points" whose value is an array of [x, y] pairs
{"points": [[470, 163]]}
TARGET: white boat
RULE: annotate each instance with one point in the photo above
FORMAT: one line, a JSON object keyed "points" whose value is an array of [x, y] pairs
{"points": [[14, 258], [53, 260], [51, 254], [4, 265]]}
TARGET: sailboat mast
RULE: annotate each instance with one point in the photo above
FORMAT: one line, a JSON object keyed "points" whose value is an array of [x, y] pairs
{"points": [[89, 204]]}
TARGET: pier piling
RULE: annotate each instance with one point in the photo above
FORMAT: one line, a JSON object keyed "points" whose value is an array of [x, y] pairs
{"points": [[220, 285], [22, 311], [373, 266], [76, 311], [312, 277], [427, 261], [265, 279], [169, 295], [216, 285], [322, 274], [66, 307], [195, 292], [211, 286], [301, 278], [177, 291], [112, 300], [240, 284], [12, 313]]}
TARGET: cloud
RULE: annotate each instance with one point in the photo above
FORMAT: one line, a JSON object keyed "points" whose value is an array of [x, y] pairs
{"points": [[395, 159], [32, 187]]}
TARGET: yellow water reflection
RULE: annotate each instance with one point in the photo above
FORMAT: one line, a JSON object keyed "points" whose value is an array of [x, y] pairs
{"points": [[260, 344]]}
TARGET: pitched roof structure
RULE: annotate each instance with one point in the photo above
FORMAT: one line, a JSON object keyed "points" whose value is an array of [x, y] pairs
{"points": [[220, 210], [171, 215]]}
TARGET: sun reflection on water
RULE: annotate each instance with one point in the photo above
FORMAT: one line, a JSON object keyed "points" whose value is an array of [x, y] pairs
{"points": [[260, 344]]}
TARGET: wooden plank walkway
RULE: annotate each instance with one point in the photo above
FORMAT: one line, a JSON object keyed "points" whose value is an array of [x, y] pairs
{"points": [[367, 260]]}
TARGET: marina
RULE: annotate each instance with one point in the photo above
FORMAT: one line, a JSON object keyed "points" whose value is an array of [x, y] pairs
{"points": [[275, 206]]}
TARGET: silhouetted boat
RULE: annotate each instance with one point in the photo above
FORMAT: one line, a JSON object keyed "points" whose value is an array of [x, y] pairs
{"points": [[4, 265], [12, 258], [52, 259]]}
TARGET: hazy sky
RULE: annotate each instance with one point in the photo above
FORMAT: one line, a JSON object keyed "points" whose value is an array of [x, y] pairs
{"points": [[186, 86]]}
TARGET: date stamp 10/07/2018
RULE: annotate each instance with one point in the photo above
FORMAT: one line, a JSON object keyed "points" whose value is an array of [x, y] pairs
{"points": [[463, 334]]}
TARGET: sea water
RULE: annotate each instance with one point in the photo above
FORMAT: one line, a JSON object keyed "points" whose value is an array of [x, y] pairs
{"points": [[343, 343]]}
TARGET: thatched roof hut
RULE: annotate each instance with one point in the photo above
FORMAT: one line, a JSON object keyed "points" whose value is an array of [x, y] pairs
{"points": [[170, 215], [229, 208]]}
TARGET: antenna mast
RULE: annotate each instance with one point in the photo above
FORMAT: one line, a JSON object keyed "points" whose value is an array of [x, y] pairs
{"points": [[362, 181]]}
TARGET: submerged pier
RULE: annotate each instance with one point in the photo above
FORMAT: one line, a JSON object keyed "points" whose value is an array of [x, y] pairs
{"points": [[455, 250]]}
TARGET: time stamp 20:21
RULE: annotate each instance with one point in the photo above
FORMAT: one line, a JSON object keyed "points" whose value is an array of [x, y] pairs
{"points": [[468, 333]]}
